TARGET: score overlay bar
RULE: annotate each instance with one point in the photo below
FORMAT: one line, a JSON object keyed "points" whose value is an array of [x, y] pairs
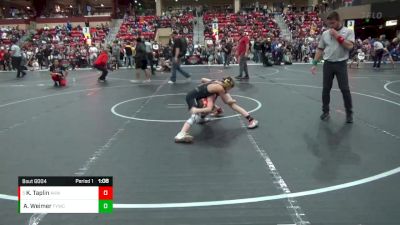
{"points": [[65, 194]]}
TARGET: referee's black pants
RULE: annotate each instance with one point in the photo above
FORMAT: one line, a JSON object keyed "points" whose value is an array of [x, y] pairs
{"points": [[338, 69], [378, 58], [16, 64], [103, 70]]}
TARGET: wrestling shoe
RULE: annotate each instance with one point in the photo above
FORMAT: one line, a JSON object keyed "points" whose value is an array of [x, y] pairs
{"points": [[252, 124], [349, 118], [182, 137]]}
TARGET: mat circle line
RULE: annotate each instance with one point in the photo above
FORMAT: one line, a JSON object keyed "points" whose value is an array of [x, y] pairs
{"points": [[113, 109], [391, 91]]}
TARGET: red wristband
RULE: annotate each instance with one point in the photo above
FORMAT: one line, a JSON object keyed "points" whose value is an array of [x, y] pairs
{"points": [[340, 39]]}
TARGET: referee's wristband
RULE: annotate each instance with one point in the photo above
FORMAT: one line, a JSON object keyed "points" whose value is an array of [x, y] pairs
{"points": [[315, 62], [340, 39]]}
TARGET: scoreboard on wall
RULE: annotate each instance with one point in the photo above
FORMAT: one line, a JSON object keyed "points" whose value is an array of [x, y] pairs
{"points": [[65, 194]]}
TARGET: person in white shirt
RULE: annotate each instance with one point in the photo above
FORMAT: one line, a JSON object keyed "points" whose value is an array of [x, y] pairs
{"points": [[29, 54], [149, 53], [16, 58], [334, 47], [378, 48], [93, 51]]}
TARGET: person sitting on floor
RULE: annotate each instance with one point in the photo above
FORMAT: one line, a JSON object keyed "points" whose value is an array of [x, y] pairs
{"points": [[58, 74]]}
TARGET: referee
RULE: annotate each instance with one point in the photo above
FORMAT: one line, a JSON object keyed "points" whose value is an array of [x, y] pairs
{"points": [[16, 59], [335, 44]]}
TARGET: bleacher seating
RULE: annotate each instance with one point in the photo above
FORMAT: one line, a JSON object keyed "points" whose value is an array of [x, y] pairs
{"points": [[146, 26], [304, 24], [7, 34], [255, 24]]}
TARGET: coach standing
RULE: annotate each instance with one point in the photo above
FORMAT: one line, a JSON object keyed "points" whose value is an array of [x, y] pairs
{"points": [[335, 43], [242, 53], [178, 52]]}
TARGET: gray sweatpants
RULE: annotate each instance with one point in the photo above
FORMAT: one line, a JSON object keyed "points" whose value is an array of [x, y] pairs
{"points": [[243, 66]]}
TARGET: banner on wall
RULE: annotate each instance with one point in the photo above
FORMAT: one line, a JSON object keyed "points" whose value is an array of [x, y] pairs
{"points": [[350, 24], [215, 29], [86, 32]]}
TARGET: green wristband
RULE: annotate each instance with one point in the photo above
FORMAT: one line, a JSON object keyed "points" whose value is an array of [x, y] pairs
{"points": [[315, 62]]}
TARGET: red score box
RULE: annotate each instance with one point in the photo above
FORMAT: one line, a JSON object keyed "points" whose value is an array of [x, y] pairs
{"points": [[105, 193]]}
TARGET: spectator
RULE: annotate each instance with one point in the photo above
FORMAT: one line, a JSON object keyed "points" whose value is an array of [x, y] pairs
{"points": [[149, 53], [47, 53], [69, 27], [116, 53], [2, 60], [226, 49], [128, 53], [257, 49], [40, 58], [348, 3], [7, 59], [93, 52], [141, 60]]}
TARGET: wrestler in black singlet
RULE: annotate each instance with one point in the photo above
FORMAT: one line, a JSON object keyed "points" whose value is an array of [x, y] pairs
{"points": [[194, 96]]}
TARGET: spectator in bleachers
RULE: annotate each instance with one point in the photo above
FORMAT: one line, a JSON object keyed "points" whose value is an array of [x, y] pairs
{"points": [[69, 27], [348, 3]]}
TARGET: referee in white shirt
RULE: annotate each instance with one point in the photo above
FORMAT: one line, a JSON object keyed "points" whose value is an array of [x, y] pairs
{"points": [[379, 50], [16, 59], [335, 45]]}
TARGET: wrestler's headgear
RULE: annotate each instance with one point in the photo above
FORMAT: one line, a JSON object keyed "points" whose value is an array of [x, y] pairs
{"points": [[228, 82]]}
